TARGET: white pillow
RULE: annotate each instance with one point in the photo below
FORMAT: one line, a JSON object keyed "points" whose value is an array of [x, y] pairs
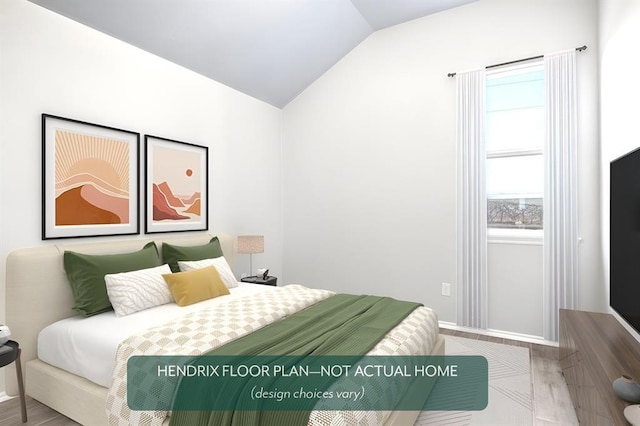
{"points": [[221, 265], [135, 291]]}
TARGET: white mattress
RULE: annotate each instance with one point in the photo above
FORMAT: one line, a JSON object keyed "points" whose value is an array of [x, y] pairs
{"points": [[75, 345]]}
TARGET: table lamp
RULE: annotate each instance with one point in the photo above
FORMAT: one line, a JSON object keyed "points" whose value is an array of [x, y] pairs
{"points": [[250, 244]]}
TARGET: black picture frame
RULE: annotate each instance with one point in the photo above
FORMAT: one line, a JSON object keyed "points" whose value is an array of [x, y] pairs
{"points": [[176, 186], [90, 179]]}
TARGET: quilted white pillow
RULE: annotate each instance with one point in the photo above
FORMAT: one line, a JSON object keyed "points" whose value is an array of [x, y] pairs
{"points": [[221, 265], [135, 291]]}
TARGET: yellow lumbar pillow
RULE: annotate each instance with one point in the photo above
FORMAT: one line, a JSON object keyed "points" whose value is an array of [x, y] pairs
{"points": [[196, 285]]}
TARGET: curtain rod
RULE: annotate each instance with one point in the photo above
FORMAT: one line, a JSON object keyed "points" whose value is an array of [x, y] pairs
{"points": [[578, 49]]}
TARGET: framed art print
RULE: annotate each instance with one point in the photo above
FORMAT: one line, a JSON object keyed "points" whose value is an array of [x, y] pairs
{"points": [[176, 186], [90, 179]]}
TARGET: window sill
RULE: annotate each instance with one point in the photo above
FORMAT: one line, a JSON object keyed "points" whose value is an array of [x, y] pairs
{"points": [[515, 236]]}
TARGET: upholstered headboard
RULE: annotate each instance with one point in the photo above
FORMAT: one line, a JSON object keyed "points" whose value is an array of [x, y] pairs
{"points": [[38, 293]]}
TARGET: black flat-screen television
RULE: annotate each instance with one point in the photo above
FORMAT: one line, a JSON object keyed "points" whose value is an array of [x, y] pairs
{"points": [[624, 283]]}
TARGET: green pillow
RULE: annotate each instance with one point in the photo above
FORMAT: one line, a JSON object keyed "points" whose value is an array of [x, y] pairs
{"points": [[86, 275], [172, 254]]}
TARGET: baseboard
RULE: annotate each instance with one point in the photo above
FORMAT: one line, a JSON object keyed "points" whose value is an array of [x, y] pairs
{"points": [[500, 334], [4, 397]]}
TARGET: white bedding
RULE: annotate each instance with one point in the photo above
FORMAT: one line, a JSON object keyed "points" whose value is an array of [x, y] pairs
{"points": [[74, 345]]}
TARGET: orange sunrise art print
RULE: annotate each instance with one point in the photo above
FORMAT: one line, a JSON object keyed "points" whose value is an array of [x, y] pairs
{"points": [[92, 180]]}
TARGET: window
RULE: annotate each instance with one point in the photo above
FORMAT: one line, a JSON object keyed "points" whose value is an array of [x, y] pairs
{"points": [[514, 146]]}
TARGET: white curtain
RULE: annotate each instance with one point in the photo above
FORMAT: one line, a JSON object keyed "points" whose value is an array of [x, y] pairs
{"points": [[560, 270], [472, 201]]}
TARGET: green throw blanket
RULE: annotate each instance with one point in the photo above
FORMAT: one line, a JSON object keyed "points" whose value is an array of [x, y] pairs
{"points": [[341, 325]]}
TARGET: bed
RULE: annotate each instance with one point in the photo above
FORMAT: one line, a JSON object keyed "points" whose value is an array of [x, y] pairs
{"points": [[38, 295]]}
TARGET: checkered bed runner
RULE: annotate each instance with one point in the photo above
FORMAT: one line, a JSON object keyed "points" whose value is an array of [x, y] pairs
{"points": [[201, 331]]}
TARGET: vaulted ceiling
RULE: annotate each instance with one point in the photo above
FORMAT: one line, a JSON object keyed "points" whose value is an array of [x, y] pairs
{"points": [[269, 49]]}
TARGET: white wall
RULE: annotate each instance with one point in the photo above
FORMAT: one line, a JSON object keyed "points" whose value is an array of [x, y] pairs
{"points": [[619, 94], [369, 152], [54, 65], [515, 274]]}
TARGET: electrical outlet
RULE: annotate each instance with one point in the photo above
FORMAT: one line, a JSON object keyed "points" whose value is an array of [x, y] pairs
{"points": [[446, 289]]}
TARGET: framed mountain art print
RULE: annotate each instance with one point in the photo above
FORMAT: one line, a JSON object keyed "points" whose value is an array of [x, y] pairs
{"points": [[90, 179], [176, 186]]}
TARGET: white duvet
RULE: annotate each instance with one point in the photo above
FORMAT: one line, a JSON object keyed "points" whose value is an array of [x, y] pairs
{"points": [[87, 346]]}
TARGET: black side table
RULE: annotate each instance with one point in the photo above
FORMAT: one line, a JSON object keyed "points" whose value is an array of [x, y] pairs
{"points": [[259, 280], [10, 352]]}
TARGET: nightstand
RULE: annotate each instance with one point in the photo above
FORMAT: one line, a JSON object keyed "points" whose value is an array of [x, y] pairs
{"points": [[10, 352], [258, 280]]}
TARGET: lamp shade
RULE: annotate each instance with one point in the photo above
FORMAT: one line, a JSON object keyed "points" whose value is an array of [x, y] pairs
{"points": [[250, 244]]}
